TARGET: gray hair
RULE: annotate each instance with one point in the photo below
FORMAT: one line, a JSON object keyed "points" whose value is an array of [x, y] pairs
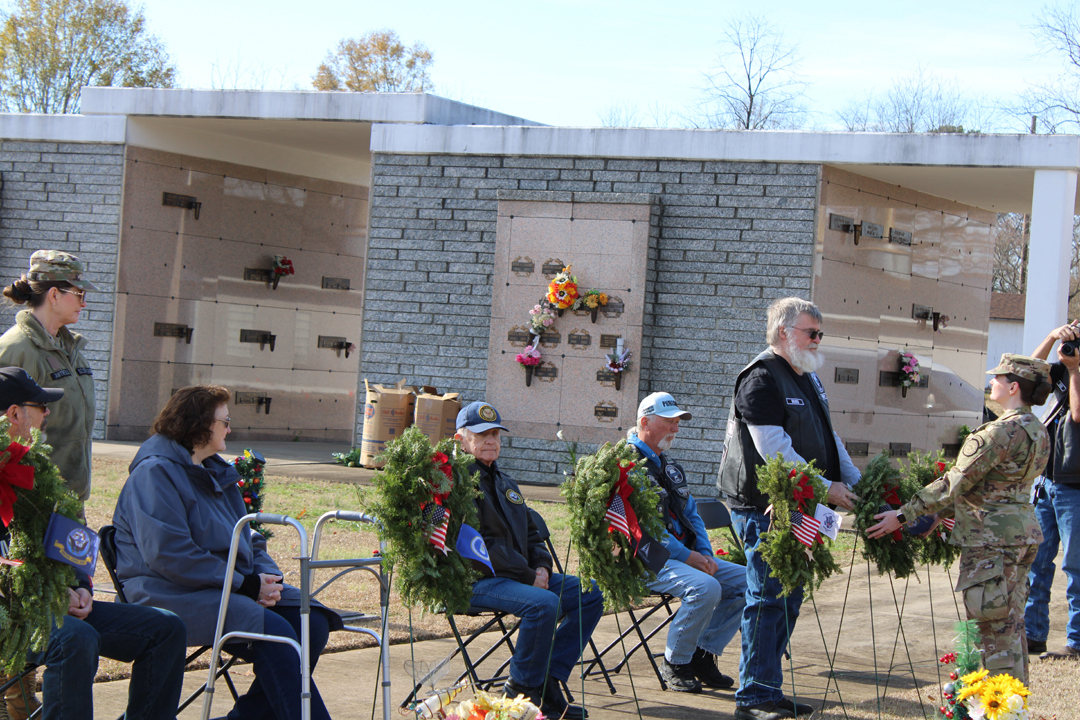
{"points": [[784, 313]]}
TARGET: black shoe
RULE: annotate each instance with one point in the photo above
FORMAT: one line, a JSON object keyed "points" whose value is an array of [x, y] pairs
{"points": [[512, 689], [794, 707], [704, 666], [680, 678], [555, 705], [1036, 647], [762, 711]]}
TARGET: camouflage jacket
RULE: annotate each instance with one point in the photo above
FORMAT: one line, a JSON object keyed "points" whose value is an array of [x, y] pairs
{"points": [[989, 488]]}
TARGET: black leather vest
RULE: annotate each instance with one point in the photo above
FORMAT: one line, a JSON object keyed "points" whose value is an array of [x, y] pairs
{"points": [[674, 493], [738, 465], [1064, 465]]}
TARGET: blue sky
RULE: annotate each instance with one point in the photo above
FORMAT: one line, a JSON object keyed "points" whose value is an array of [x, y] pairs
{"points": [[562, 62]]}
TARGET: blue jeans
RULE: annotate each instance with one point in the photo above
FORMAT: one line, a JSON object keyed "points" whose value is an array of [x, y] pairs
{"points": [[1059, 515], [153, 640], [711, 608], [768, 619], [275, 692], [535, 657]]}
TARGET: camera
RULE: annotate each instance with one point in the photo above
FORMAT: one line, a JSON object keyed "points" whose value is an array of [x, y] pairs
{"points": [[1070, 347]]}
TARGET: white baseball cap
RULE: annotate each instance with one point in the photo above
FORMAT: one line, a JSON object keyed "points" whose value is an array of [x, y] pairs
{"points": [[662, 404]]}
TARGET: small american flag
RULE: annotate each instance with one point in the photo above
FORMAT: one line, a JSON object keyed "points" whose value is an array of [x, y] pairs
{"points": [[949, 523], [804, 527], [439, 517], [616, 515]]}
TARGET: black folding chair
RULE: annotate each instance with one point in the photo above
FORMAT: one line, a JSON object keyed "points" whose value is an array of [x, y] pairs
{"points": [[714, 514], [107, 551]]}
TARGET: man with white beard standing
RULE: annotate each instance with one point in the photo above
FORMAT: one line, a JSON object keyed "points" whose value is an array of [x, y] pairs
{"points": [[779, 406]]}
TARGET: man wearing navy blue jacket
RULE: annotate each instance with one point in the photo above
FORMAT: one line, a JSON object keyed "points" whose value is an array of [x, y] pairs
{"points": [[712, 593]]}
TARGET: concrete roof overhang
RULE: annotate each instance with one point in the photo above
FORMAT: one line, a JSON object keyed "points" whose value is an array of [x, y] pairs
{"points": [[993, 172]]}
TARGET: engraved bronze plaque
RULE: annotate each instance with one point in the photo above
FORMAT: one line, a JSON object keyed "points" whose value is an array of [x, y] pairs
{"points": [[247, 398], [871, 230], [174, 330], [188, 202], [522, 266], [888, 378], [550, 338], [609, 341], [841, 223], [858, 449], [900, 237], [846, 376], [924, 380], [899, 449], [606, 411], [553, 267], [259, 274], [333, 283], [545, 372], [921, 312], [518, 336], [263, 337], [331, 341], [614, 307], [605, 376], [579, 338]]}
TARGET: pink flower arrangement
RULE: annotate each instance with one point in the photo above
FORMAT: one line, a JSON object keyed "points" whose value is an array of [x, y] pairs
{"points": [[617, 362], [529, 356], [909, 370], [541, 317]]}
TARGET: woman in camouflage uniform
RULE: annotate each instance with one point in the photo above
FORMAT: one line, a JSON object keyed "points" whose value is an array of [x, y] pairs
{"points": [[988, 492]]}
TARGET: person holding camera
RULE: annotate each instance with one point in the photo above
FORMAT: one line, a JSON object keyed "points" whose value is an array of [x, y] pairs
{"points": [[1057, 499]]}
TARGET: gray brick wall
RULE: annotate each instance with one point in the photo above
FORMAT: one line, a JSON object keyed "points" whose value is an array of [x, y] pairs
{"points": [[65, 196], [729, 237]]}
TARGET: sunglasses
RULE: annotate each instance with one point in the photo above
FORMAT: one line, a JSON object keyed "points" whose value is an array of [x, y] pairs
{"points": [[225, 422], [80, 294], [814, 334], [39, 406]]}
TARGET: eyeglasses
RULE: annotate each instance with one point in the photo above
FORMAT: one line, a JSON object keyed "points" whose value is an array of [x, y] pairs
{"points": [[225, 422], [79, 294], [814, 334], [39, 406]]}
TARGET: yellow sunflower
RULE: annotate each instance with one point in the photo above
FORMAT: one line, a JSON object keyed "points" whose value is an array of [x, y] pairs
{"points": [[974, 677], [603, 298], [995, 693]]}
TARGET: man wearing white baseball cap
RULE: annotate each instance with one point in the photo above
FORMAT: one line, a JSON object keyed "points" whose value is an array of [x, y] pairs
{"points": [[712, 593]]}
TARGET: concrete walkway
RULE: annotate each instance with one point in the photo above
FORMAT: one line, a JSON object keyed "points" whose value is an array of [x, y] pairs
{"points": [[851, 624]]}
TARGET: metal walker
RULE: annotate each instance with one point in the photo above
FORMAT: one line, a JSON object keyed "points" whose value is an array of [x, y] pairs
{"points": [[309, 563]]}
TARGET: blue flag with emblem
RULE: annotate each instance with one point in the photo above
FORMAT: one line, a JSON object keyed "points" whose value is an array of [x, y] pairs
{"points": [[471, 545], [72, 542]]}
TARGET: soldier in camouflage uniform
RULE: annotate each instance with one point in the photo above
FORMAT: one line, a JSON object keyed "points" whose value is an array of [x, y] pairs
{"points": [[988, 492]]}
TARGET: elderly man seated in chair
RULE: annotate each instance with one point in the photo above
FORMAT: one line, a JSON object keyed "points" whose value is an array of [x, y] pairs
{"points": [[712, 593], [522, 583], [153, 640]]}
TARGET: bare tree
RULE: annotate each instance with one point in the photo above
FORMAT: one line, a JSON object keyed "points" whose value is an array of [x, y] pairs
{"points": [[756, 84], [241, 75], [377, 62], [1010, 254], [919, 102], [1055, 101], [625, 113]]}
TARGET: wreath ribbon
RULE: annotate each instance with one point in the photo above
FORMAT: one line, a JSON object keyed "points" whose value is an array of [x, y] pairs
{"points": [[802, 490], [13, 475], [623, 489], [891, 496]]}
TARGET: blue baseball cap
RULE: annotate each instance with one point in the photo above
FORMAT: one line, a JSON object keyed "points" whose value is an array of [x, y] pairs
{"points": [[479, 417]]}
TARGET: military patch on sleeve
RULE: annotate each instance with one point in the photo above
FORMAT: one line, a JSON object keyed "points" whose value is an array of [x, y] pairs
{"points": [[973, 445], [84, 371], [514, 497]]}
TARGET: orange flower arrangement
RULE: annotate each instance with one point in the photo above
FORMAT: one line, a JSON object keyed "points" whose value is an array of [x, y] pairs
{"points": [[563, 290]]}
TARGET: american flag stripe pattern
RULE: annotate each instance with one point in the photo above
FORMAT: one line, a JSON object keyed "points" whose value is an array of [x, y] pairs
{"points": [[804, 527], [616, 516], [439, 517], [949, 523]]}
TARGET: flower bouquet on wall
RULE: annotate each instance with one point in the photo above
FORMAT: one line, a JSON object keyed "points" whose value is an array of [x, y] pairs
{"points": [[541, 317], [529, 358], [794, 545], [422, 497], [618, 362], [282, 266], [592, 300], [909, 372], [562, 291]]}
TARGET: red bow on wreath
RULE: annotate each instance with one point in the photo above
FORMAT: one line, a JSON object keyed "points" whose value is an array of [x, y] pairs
{"points": [[892, 498], [620, 516], [802, 490], [444, 464], [13, 475], [941, 468]]}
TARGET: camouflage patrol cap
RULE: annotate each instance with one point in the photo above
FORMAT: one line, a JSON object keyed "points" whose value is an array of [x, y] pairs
{"points": [[58, 266], [1023, 366]]}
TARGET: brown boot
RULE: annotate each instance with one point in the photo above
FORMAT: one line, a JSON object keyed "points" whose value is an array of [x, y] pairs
{"points": [[20, 698]]}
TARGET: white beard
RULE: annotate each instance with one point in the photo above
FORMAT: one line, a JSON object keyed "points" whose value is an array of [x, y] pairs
{"points": [[802, 360], [665, 444]]}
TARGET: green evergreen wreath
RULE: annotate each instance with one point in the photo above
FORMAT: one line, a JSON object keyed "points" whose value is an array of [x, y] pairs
{"points": [[251, 483], [605, 556], [882, 484], [36, 591], [789, 560], [923, 469], [412, 477]]}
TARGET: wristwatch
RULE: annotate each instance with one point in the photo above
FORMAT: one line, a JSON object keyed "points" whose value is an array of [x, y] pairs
{"points": [[900, 517]]}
